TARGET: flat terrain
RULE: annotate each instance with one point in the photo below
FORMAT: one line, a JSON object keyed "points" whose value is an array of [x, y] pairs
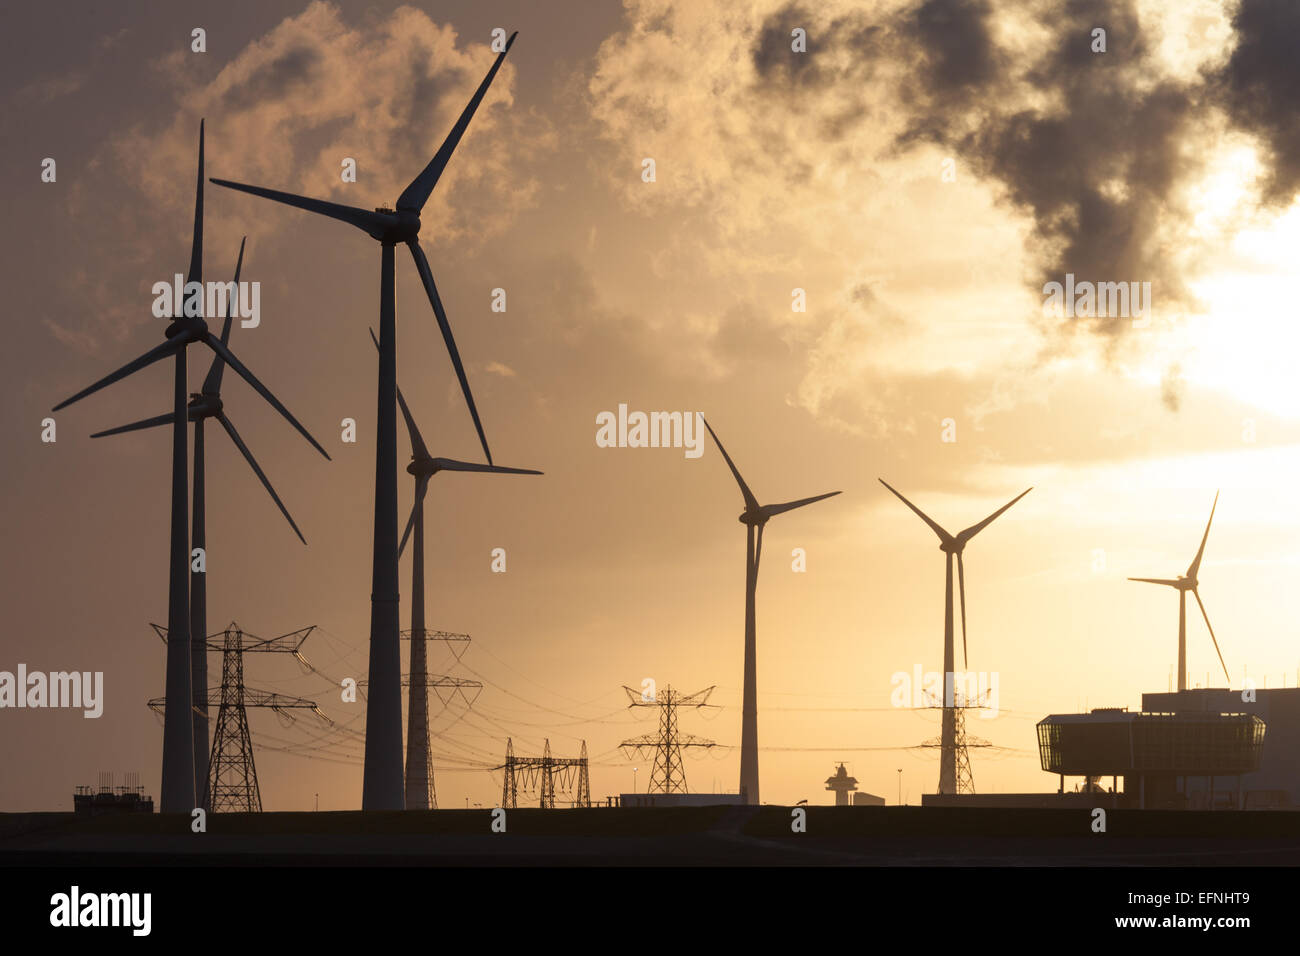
{"points": [[688, 836]]}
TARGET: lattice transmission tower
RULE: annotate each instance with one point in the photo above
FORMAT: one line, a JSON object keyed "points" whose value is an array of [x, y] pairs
{"points": [[962, 742], [231, 785], [541, 774], [419, 790], [669, 774]]}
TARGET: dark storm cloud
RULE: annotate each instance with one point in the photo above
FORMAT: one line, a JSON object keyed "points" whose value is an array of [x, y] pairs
{"points": [[1097, 169], [778, 65], [956, 44], [1261, 86], [273, 80], [1085, 142], [427, 88]]}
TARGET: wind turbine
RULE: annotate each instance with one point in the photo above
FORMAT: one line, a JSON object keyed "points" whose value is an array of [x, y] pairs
{"points": [[952, 545], [1184, 583], [423, 466], [754, 517], [382, 787], [203, 405], [178, 794]]}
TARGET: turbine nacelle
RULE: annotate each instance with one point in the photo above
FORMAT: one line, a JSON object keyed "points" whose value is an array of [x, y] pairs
{"points": [[397, 226], [204, 405], [191, 326]]}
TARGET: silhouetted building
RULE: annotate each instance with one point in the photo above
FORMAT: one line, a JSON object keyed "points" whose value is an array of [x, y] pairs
{"points": [[867, 800], [842, 784], [680, 799], [1276, 781], [1154, 752]]}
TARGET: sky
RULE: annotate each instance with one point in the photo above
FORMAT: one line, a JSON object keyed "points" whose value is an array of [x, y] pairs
{"points": [[915, 176]]}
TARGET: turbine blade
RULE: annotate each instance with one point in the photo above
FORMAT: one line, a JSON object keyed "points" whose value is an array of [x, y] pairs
{"points": [[1172, 584], [450, 464], [369, 222], [751, 503], [944, 536], [771, 510], [196, 247], [426, 276], [216, 345], [168, 348], [1212, 637], [416, 195], [257, 470], [417, 441], [137, 426], [1196, 564], [421, 487], [961, 589], [975, 529], [212, 384]]}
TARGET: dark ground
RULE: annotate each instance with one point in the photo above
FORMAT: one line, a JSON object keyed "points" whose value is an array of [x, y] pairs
{"points": [[697, 836]]}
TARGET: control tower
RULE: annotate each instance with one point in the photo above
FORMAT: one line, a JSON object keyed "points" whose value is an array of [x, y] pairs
{"points": [[843, 785]]}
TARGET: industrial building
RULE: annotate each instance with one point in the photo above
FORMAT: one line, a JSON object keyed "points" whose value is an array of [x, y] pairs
{"points": [[1275, 782], [680, 799], [1155, 752], [863, 799], [846, 790]]}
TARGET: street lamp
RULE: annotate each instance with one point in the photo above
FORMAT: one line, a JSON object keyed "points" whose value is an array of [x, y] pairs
{"points": [[634, 779], [900, 786]]}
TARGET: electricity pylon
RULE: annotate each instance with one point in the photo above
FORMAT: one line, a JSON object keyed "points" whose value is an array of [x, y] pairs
{"points": [[965, 778], [669, 775], [231, 784], [421, 793]]}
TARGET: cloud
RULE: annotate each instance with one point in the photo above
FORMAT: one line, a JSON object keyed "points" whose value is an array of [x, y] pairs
{"points": [[1172, 387], [284, 112], [1260, 84], [821, 170]]}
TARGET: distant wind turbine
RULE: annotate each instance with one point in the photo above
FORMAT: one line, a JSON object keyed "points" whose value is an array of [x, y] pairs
{"points": [[382, 786], [178, 794], [754, 517], [1184, 583], [951, 545], [203, 405], [423, 466]]}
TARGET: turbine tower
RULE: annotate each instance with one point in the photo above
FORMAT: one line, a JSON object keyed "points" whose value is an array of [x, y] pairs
{"points": [[754, 517], [1184, 583], [382, 786], [203, 405], [187, 326], [952, 545], [423, 466]]}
